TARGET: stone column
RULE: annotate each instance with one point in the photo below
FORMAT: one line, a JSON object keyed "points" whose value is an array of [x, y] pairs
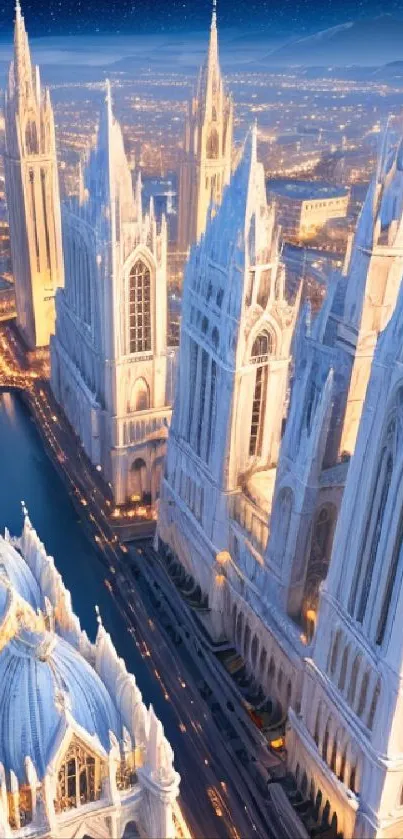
{"points": [[159, 795]]}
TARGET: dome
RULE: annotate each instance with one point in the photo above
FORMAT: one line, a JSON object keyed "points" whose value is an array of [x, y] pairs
{"points": [[16, 570], [38, 673]]}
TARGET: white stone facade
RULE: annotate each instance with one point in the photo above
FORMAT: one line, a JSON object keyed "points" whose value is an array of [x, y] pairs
{"points": [[32, 189], [80, 754], [348, 736], [257, 532], [111, 370], [225, 436], [207, 157]]}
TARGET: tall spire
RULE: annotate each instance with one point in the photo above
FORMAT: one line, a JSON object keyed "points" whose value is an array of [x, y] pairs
{"points": [[21, 79], [214, 15]]}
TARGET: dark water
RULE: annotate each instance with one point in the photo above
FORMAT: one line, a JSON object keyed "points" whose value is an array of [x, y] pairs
{"points": [[26, 473]]}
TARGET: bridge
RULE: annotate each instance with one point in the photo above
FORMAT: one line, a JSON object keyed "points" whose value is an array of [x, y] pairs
{"points": [[16, 382]]}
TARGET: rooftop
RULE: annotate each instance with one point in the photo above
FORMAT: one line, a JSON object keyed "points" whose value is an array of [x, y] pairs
{"points": [[305, 190]]}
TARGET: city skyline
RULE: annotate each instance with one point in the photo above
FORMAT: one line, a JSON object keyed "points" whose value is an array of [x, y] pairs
{"points": [[201, 402]]}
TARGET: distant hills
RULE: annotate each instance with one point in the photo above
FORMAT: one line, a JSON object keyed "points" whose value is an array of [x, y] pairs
{"points": [[366, 42]]}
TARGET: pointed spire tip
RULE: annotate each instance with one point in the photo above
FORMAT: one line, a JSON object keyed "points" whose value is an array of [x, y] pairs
{"points": [[214, 15]]}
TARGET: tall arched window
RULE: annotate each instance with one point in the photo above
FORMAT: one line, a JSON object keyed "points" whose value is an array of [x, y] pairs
{"points": [[390, 582], [139, 396], [353, 681], [343, 670], [363, 694], [374, 538], [140, 308], [319, 557], [281, 524], [262, 345], [258, 412], [374, 703], [31, 138], [335, 653], [212, 149]]}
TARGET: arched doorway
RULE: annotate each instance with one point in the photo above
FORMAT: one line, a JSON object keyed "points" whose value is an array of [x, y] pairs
{"points": [[137, 480]]}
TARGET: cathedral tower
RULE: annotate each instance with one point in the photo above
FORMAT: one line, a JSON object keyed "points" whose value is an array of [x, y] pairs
{"points": [[333, 357], [374, 274], [206, 163], [346, 745], [235, 349], [110, 365], [32, 189]]}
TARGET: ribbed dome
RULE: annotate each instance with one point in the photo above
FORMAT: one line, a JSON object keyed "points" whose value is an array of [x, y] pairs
{"points": [[14, 567], [35, 671]]}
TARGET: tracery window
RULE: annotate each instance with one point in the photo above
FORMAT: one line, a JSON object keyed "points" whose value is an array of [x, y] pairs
{"points": [[140, 308], [79, 779]]}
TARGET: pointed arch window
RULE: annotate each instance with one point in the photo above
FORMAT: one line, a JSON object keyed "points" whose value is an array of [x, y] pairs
{"points": [[374, 704], [390, 583], [140, 308], [353, 681], [380, 502], [258, 412], [139, 396], [335, 653], [212, 145], [262, 345], [343, 670], [319, 557], [31, 138]]}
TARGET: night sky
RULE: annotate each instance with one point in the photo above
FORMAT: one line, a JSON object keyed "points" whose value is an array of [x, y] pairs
{"points": [[70, 17]]}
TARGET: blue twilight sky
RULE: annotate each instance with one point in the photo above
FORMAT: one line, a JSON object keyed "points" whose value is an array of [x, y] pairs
{"points": [[277, 17]]}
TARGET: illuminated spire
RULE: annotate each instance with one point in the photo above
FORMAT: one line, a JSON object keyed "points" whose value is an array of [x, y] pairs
{"points": [[108, 99], [214, 15]]}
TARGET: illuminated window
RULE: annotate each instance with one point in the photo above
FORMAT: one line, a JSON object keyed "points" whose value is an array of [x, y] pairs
{"points": [[263, 345], [79, 780], [140, 308]]}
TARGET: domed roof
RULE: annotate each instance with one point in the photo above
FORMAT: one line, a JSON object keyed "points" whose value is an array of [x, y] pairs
{"points": [[38, 672], [16, 570]]}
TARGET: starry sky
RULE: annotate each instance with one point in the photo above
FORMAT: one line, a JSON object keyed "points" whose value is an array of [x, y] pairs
{"points": [[71, 17]]}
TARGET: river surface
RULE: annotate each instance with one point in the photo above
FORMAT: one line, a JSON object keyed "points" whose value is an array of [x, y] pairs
{"points": [[27, 473]]}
